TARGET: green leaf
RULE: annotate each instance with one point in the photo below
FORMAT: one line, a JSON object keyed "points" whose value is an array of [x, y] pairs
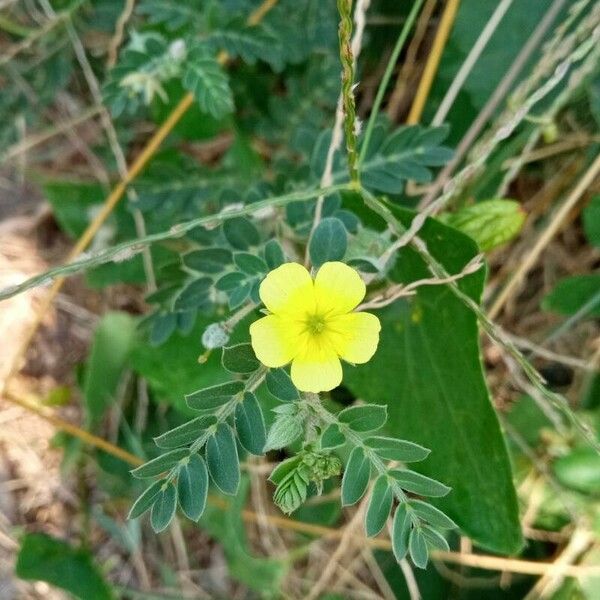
{"points": [[160, 464], [418, 548], [579, 470], [185, 434], [112, 343], [194, 294], [280, 385], [591, 221], [393, 449], [427, 369], [163, 325], [274, 255], [44, 558], [240, 233], [401, 528], [432, 515], [192, 487], [250, 263], [215, 396], [405, 154], [285, 430], [419, 484], [163, 509], [328, 242], [206, 79], [240, 359], [380, 505], [222, 460], [208, 260], [292, 490], [572, 294], [250, 425], [145, 500], [491, 223], [356, 477], [368, 417], [231, 281], [434, 539], [332, 437]]}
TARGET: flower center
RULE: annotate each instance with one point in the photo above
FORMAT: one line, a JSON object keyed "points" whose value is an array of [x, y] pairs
{"points": [[315, 324]]}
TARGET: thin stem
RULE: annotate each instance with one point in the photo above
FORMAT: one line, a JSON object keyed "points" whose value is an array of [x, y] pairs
{"points": [[386, 78], [127, 250], [347, 59]]}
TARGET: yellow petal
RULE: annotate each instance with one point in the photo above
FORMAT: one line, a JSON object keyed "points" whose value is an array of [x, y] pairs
{"points": [[338, 288], [288, 289], [354, 336], [317, 368], [274, 340]]}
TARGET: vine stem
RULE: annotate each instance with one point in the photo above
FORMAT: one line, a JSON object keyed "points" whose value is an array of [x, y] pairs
{"points": [[386, 78]]}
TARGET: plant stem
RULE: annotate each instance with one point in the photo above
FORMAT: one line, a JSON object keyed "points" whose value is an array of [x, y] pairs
{"points": [[386, 78], [347, 59]]}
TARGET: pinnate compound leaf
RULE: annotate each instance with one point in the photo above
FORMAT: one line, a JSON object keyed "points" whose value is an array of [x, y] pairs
{"points": [[356, 477], [222, 459], [163, 509], [206, 79], [250, 425], [160, 464], [192, 487], [367, 417], [380, 505], [215, 396]]}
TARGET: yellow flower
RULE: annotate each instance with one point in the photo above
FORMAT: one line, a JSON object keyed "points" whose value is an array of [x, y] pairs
{"points": [[311, 324]]}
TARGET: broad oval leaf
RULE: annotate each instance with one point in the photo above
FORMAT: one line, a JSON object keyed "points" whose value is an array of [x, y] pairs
{"points": [[192, 487], [250, 263], [380, 505], [222, 460], [431, 334], [250, 425], [231, 281], [367, 417], [160, 464], [328, 242], [285, 430], [163, 509], [195, 294], [215, 396], [356, 477]]}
